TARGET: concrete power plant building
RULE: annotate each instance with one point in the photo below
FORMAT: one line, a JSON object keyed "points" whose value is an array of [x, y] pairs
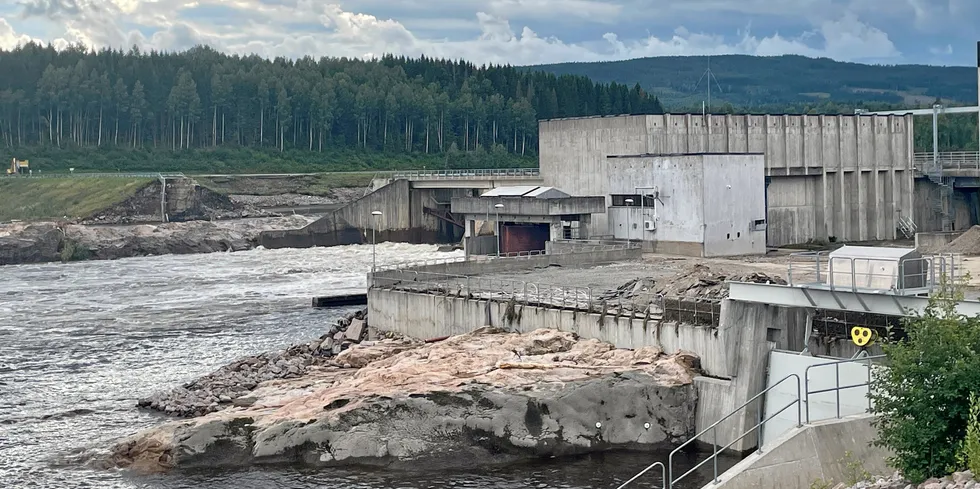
{"points": [[690, 204], [844, 177]]}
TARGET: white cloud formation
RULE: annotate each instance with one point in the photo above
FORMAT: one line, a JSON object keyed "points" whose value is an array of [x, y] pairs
{"points": [[294, 28]]}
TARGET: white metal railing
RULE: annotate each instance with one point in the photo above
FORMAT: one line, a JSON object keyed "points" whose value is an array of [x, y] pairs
{"points": [[950, 160], [837, 387], [466, 174], [908, 275], [585, 248], [644, 306]]}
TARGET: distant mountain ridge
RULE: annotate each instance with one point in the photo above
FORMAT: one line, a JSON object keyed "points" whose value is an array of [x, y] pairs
{"points": [[755, 81]]}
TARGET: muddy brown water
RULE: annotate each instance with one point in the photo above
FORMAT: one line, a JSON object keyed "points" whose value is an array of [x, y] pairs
{"points": [[80, 343]]}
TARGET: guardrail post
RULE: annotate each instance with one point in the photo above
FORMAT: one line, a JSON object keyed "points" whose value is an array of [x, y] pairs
{"points": [[714, 455]]}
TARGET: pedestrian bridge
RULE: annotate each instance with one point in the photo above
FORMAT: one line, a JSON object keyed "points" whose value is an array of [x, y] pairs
{"points": [[489, 178]]}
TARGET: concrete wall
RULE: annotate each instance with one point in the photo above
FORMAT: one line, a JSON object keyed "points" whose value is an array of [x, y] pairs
{"points": [[802, 456], [680, 179], [704, 199], [935, 241], [734, 196], [402, 220], [862, 165], [734, 354]]}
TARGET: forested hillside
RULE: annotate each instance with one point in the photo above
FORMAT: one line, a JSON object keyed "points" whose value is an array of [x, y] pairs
{"points": [[756, 81], [202, 109]]}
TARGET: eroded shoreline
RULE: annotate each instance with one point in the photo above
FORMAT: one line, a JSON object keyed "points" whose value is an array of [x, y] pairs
{"points": [[486, 397]]}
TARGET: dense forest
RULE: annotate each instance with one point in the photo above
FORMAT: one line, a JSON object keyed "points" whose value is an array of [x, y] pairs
{"points": [[758, 81], [55, 104], [205, 111]]}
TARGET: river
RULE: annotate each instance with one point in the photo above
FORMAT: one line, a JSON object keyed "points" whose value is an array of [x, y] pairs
{"points": [[80, 343]]}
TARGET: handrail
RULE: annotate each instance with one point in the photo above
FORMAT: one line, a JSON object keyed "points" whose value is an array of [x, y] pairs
{"points": [[948, 160], [585, 249], [714, 429], [466, 174], [929, 270], [837, 387], [663, 477]]}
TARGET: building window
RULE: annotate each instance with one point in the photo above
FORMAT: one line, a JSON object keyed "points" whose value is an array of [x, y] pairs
{"points": [[619, 200], [570, 230]]}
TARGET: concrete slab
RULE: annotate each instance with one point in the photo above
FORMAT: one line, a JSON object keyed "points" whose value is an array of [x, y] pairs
{"points": [[356, 329]]}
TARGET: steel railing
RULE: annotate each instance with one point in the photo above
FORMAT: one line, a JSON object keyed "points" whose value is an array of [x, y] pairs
{"points": [[583, 249], [714, 431], [906, 276], [837, 387], [948, 160], [466, 174], [663, 476], [802, 397]]}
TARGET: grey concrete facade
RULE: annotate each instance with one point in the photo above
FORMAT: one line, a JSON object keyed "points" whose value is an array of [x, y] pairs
{"points": [[844, 176], [808, 454], [697, 204]]}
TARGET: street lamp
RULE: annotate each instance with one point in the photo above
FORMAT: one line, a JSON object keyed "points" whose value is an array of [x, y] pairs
{"points": [[629, 215], [374, 241], [497, 207]]}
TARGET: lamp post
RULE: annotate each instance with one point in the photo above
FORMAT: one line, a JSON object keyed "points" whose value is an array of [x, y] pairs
{"points": [[497, 207], [374, 241], [629, 219]]}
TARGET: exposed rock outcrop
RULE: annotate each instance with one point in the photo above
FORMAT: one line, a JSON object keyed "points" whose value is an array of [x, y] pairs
{"points": [[478, 398], [47, 242], [230, 384]]}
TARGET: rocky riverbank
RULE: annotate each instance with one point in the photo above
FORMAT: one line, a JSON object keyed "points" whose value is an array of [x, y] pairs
{"points": [[48, 242], [479, 398], [959, 480]]}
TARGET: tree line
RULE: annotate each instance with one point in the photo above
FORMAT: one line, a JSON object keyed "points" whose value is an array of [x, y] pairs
{"points": [[201, 98]]}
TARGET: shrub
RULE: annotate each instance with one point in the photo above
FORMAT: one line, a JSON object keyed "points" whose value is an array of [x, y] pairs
{"points": [[922, 400], [969, 454]]}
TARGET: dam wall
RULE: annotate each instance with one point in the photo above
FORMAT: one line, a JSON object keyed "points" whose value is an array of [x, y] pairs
{"points": [[733, 352], [403, 219]]}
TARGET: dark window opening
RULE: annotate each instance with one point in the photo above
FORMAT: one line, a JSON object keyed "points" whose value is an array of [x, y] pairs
{"points": [[619, 200]]}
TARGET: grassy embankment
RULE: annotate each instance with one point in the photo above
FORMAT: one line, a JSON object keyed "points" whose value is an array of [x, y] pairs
{"points": [[230, 160], [34, 199]]}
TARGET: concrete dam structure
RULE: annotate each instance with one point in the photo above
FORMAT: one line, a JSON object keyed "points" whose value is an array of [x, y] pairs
{"points": [[844, 176]]}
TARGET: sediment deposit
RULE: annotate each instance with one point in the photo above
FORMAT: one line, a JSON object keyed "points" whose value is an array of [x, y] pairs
{"points": [[48, 242], [484, 397]]}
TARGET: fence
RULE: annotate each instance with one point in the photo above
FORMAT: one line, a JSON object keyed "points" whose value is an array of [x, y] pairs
{"points": [[466, 174], [585, 250], [705, 312], [952, 160], [901, 275], [837, 387]]}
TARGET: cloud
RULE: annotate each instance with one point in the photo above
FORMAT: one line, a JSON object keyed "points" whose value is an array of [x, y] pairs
{"points": [[489, 33], [9, 39]]}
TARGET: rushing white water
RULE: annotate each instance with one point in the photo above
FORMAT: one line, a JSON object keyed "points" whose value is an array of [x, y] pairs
{"points": [[79, 343]]}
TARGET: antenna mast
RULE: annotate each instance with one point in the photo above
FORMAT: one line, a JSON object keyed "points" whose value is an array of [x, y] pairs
{"points": [[711, 76]]}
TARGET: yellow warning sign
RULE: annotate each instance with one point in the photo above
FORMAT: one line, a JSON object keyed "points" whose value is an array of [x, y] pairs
{"points": [[862, 336]]}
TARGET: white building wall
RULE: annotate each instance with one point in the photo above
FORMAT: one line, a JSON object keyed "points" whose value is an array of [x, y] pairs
{"points": [[680, 218], [733, 197]]}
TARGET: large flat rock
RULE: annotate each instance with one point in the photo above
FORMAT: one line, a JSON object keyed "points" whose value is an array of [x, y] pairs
{"points": [[480, 398]]}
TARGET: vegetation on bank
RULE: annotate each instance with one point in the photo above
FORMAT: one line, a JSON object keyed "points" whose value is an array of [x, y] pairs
{"points": [[32, 199], [923, 398], [251, 160], [202, 98]]}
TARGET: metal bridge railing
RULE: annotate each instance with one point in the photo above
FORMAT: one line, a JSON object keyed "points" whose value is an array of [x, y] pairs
{"points": [[583, 249], [950, 160], [466, 174], [858, 274], [802, 397], [837, 387]]}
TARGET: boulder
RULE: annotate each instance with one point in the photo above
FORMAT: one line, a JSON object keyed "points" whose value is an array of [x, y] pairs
{"points": [[467, 400], [356, 330]]}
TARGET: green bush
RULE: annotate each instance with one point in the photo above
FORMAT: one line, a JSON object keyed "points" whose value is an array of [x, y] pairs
{"points": [[922, 400], [969, 454]]}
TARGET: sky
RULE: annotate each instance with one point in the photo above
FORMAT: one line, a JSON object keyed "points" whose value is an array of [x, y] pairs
{"points": [[518, 32]]}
